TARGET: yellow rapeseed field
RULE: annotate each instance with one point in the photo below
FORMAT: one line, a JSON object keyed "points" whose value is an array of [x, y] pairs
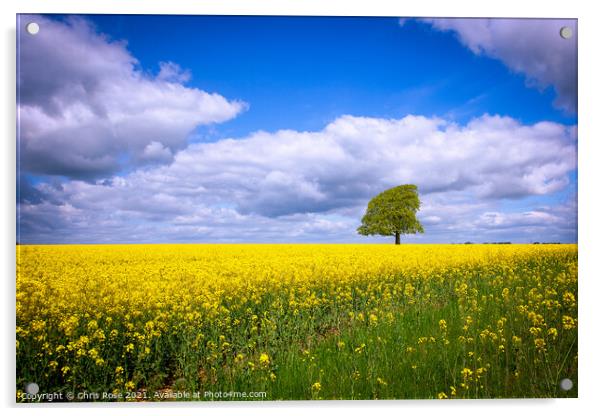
{"points": [[298, 321]]}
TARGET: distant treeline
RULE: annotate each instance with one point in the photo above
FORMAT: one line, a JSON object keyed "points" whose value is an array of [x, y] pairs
{"points": [[509, 242]]}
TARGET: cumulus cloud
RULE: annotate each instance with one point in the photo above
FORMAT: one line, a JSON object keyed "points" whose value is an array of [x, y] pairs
{"points": [[85, 106], [460, 219], [155, 151], [311, 186], [532, 47], [353, 158], [543, 224], [171, 72], [528, 218]]}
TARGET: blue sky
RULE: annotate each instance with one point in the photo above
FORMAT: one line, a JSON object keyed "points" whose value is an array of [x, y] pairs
{"points": [[279, 129], [301, 73]]}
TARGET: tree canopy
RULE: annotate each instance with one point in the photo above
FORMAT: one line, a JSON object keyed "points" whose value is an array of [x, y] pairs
{"points": [[392, 213]]}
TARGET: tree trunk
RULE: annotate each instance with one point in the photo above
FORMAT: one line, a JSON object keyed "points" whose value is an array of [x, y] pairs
{"points": [[397, 238]]}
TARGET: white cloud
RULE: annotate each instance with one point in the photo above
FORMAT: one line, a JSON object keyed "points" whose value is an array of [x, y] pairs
{"points": [[313, 186], [532, 47], [155, 151], [171, 72], [85, 105], [529, 218], [354, 158]]}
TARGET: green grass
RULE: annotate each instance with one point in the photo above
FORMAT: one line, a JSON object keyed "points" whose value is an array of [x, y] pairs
{"points": [[410, 356]]}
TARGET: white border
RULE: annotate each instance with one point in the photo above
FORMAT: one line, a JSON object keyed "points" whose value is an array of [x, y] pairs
{"points": [[590, 25]]}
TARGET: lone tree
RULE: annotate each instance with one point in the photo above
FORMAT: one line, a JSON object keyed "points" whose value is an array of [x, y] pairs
{"points": [[393, 212]]}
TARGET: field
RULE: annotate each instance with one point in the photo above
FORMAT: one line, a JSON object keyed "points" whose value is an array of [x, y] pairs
{"points": [[153, 322]]}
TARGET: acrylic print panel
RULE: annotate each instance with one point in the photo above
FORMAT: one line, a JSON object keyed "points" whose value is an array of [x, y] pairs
{"points": [[298, 208]]}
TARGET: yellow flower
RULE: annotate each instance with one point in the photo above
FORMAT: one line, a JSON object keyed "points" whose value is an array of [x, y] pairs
{"points": [[144, 297], [568, 299], [501, 322], [264, 359], [316, 387], [130, 385], [408, 290], [442, 396], [536, 319], [360, 349], [442, 325], [381, 381], [466, 373], [99, 335], [568, 322]]}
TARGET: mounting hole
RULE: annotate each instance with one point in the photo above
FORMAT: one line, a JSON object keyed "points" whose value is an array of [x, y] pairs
{"points": [[32, 388], [566, 384], [566, 32], [32, 28]]}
